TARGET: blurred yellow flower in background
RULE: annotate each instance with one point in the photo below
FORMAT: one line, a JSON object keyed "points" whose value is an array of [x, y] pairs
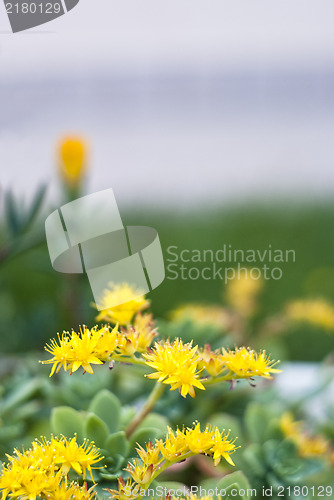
{"points": [[201, 314], [242, 293], [308, 446], [315, 312], [73, 158], [129, 301]]}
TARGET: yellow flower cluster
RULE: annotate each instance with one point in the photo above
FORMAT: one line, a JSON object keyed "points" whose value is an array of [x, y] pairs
{"points": [[316, 312], [139, 336], [126, 490], [308, 446], [242, 293], [89, 346], [175, 364], [72, 491], [130, 301], [180, 365], [201, 314], [175, 447], [246, 363], [99, 344], [41, 470]]}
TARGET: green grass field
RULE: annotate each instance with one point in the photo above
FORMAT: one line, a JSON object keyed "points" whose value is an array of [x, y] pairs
{"points": [[36, 302]]}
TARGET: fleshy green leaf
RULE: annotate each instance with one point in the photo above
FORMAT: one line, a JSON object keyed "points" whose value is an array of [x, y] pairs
{"points": [[253, 458], [256, 419], [22, 393], [128, 412], [11, 432], [155, 421], [117, 444], [96, 430], [236, 480], [66, 421], [108, 407], [143, 436]]}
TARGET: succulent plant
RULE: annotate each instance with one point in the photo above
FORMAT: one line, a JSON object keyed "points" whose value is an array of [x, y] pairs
{"points": [[104, 423]]}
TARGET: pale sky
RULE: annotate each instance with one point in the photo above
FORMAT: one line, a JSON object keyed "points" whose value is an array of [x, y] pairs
{"points": [[137, 79], [148, 35]]}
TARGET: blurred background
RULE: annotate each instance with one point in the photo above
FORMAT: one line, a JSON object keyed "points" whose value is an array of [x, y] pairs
{"points": [[212, 122]]}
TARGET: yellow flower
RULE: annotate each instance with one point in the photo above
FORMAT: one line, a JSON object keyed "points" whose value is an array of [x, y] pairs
{"points": [[192, 441], [89, 346], [173, 445], [107, 342], [73, 157], [72, 160], [137, 338], [242, 293], [149, 456], [140, 472], [70, 455], [128, 342], [211, 361], [175, 364], [245, 363], [185, 380], [39, 471], [222, 447], [35, 483], [61, 352], [176, 446], [199, 441], [72, 492], [308, 446], [128, 301], [144, 327], [201, 314], [83, 346], [315, 312], [19, 480], [126, 490]]}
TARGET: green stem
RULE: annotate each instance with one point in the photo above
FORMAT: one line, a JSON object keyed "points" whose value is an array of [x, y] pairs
{"points": [[166, 465], [128, 359], [146, 409], [216, 380]]}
